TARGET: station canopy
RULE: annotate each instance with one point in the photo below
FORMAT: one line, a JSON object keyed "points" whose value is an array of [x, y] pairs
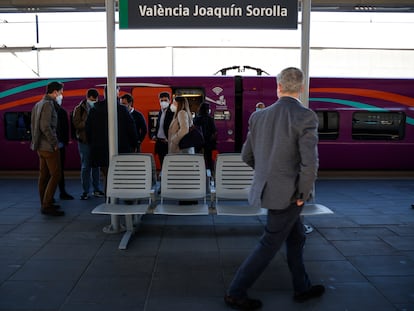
{"points": [[33, 6]]}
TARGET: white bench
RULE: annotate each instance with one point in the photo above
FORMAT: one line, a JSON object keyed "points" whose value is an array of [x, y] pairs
{"points": [[233, 178], [183, 180], [184, 186], [130, 190], [232, 183]]}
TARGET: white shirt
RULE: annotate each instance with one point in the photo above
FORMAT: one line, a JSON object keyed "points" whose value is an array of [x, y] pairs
{"points": [[161, 133]]}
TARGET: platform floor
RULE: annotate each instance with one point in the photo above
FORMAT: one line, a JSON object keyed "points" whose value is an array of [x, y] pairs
{"points": [[363, 254]]}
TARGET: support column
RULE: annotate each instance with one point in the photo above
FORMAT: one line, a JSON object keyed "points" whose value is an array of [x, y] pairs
{"points": [[305, 46]]}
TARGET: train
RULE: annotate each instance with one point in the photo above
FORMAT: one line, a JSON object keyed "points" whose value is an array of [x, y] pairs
{"points": [[364, 123]]}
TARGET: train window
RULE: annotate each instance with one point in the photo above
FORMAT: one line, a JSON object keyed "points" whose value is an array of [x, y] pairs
{"points": [[328, 124], [370, 125], [17, 125]]}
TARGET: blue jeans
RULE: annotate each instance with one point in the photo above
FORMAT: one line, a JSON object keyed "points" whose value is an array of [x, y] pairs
{"points": [[282, 226], [87, 170]]}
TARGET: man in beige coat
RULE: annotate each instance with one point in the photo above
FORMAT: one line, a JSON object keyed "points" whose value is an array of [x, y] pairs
{"points": [[45, 142], [281, 146]]}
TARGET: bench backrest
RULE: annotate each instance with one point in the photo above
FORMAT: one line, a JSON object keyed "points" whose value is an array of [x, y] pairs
{"points": [[183, 176], [233, 177], [130, 176]]}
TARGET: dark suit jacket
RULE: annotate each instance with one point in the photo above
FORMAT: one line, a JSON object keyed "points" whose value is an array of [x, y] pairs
{"points": [[167, 121], [281, 146], [62, 130], [140, 124], [97, 133]]}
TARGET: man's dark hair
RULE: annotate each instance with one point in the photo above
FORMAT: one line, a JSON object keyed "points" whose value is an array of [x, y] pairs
{"points": [[164, 94], [92, 93], [128, 98], [54, 86]]}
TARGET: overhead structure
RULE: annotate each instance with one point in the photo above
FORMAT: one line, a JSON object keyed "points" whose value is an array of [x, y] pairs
{"points": [[33, 6]]}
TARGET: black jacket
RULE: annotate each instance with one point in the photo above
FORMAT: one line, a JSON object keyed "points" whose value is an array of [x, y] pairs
{"points": [[167, 121], [206, 124], [140, 124], [62, 130], [97, 133]]}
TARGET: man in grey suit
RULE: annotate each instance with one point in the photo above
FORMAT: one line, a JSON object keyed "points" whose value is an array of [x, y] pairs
{"points": [[281, 146]]}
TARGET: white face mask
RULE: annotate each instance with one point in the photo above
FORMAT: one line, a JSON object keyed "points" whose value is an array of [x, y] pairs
{"points": [[91, 103], [59, 99], [164, 104], [173, 108]]}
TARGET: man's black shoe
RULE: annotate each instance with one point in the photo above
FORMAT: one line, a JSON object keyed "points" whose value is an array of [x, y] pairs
{"points": [[55, 206], [98, 194], [245, 304], [313, 292], [66, 196], [51, 211]]}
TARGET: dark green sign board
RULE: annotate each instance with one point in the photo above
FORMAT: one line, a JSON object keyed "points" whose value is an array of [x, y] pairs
{"points": [[173, 14]]}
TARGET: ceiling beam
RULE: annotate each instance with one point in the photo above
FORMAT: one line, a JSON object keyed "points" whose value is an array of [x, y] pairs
{"points": [[33, 6]]}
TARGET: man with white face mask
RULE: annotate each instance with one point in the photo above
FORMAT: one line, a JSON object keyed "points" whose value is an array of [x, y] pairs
{"points": [[80, 115], [160, 135], [44, 122]]}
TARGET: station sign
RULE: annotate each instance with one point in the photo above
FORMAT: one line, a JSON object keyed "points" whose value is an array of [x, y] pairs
{"points": [[208, 14]]}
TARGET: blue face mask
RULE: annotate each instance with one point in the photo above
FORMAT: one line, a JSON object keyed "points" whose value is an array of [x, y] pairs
{"points": [[91, 103], [59, 99]]}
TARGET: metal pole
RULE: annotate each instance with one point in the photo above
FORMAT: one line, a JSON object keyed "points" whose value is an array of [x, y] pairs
{"points": [[111, 96], [305, 46], [37, 29], [171, 48]]}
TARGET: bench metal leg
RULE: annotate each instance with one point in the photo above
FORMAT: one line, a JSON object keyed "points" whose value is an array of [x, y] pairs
{"points": [[130, 229], [125, 239], [114, 226]]}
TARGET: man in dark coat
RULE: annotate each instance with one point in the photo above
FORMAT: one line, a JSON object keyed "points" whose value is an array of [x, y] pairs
{"points": [[62, 132], [140, 124], [206, 124], [160, 135], [97, 134]]}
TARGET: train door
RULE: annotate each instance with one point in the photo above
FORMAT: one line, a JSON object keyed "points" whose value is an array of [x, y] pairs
{"points": [[146, 101], [195, 97], [256, 90], [220, 94]]}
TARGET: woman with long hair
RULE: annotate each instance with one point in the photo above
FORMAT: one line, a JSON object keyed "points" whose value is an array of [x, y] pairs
{"points": [[180, 125]]}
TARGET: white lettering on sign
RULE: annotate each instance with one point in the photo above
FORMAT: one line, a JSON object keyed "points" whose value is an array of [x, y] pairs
{"points": [[218, 11], [160, 10], [209, 11], [275, 10]]}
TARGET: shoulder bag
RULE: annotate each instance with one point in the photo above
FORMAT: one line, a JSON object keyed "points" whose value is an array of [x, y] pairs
{"points": [[194, 138]]}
